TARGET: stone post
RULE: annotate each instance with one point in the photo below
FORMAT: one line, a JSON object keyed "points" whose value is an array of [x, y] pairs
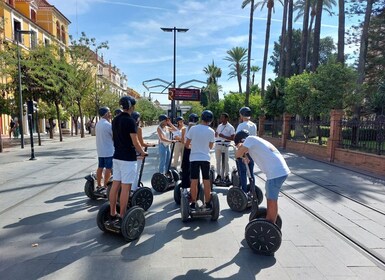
{"points": [[285, 129], [335, 133]]}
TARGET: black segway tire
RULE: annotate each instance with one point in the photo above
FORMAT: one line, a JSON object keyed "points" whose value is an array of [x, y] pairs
{"points": [[143, 198], [104, 215], [263, 237], [215, 205], [175, 174], [258, 192], [261, 214], [177, 193], [184, 208], [133, 223], [159, 182], [236, 199], [89, 189]]}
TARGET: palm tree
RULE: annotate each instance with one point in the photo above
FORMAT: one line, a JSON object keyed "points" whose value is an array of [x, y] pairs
{"points": [[304, 39], [317, 35], [341, 31], [254, 69], [244, 4], [300, 8], [213, 72], [270, 8], [237, 57], [281, 68], [289, 38]]}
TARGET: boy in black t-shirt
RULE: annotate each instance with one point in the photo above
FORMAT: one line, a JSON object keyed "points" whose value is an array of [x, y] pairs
{"points": [[126, 144]]}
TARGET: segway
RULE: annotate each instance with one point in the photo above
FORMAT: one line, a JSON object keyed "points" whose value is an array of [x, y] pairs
{"points": [[142, 196], [200, 210], [222, 183], [163, 182], [132, 224], [262, 236], [89, 187], [237, 199]]}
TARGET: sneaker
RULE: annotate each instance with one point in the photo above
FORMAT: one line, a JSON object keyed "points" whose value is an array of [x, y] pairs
{"points": [[192, 206], [100, 190], [114, 221], [218, 179]]}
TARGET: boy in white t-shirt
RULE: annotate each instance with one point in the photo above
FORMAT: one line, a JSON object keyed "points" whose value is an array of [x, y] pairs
{"points": [[270, 161], [201, 138]]}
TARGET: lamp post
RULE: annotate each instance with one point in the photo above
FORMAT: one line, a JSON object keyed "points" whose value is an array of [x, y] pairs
{"points": [[19, 33], [175, 30]]}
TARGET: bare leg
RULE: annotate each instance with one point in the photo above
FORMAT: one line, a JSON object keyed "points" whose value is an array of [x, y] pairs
{"points": [[206, 184], [124, 198], [194, 190], [107, 176], [272, 210], [113, 197], [99, 173]]}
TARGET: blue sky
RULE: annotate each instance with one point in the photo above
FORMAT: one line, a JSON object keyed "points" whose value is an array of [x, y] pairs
{"points": [[143, 51]]}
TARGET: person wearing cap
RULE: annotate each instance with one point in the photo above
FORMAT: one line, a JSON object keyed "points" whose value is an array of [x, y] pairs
{"points": [[164, 128], [179, 136], [200, 139], [126, 144], [192, 120], [104, 148], [117, 112], [248, 125], [224, 134], [270, 161], [136, 116]]}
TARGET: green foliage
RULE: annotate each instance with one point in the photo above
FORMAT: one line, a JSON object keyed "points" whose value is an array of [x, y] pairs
{"points": [[5, 106], [196, 108], [148, 111], [298, 94], [235, 101], [273, 102]]}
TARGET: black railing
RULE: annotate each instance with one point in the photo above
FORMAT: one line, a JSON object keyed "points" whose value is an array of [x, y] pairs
{"points": [[364, 135]]}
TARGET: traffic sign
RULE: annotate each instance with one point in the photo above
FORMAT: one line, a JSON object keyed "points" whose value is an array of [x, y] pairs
{"points": [[187, 94]]}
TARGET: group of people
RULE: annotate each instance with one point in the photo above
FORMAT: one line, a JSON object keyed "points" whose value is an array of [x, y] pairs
{"points": [[195, 141]]}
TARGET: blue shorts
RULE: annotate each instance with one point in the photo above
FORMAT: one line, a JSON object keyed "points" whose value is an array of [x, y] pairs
{"points": [[273, 187], [105, 162]]}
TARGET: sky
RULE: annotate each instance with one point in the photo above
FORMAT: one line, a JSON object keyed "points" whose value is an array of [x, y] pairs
{"points": [[142, 51]]}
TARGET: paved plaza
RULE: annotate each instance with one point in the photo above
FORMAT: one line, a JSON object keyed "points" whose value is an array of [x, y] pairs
{"points": [[48, 225]]}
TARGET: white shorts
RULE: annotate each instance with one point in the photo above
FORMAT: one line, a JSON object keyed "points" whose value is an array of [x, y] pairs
{"points": [[124, 171]]}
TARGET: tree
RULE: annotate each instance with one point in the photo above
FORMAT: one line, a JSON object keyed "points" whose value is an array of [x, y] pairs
{"points": [[317, 34], [282, 55], [237, 57], [248, 69], [289, 39], [214, 73], [304, 39], [254, 69], [341, 31], [270, 8], [273, 102]]}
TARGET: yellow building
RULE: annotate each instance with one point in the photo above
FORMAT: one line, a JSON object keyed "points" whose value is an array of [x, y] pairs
{"points": [[46, 24]]}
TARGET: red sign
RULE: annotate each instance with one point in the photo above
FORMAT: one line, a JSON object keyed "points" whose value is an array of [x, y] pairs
{"points": [[188, 94]]}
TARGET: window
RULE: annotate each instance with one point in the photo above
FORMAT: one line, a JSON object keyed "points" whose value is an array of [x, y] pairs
{"points": [[47, 42], [58, 30], [33, 15], [63, 34], [17, 26], [11, 2], [33, 40]]}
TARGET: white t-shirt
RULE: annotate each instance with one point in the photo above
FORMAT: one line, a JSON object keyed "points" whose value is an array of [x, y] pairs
{"points": [[267, 157], [249, 126], [104, 142], [201, 136], [225, 129], [165, 133]]}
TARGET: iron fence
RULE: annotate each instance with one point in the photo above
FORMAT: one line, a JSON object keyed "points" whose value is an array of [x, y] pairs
{"points": [[364, 135]]}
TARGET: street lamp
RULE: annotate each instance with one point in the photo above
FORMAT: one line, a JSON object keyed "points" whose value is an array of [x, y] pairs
{"points": [[174, 29], [19, 33]]}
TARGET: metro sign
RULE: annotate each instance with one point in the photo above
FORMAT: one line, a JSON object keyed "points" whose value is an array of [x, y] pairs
{"points": [[187, 94]]}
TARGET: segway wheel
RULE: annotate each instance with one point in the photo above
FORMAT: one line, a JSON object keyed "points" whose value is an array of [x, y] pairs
{"points": [[261, 214], [236, 199], [177, 193], [143, 198], [215, 205], [159, 182], [184, 208], [175, 174], [133, 223], [235, 179], [258, 192], [263, 237], [104, 215], [89, 190]]}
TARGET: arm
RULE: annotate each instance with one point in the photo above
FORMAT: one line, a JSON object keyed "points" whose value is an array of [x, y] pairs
{"points": [[138, 147], [140, 137], [211, 145], [183, 135], [171, 126], [162, 138], [241, 151], [187, 144]]}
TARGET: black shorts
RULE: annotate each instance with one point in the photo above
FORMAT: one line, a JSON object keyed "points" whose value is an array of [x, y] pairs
{"points": [[196, 166]]}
